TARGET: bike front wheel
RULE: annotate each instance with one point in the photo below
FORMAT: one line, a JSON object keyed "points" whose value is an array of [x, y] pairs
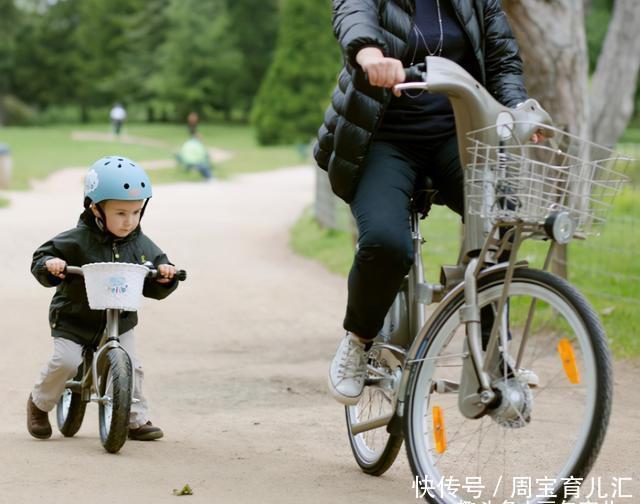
{"points": [[115, 386], [546, 429]]}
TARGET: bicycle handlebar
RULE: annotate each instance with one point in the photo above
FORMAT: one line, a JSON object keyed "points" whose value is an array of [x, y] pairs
{"points": [[181, 275], [473, 105]]}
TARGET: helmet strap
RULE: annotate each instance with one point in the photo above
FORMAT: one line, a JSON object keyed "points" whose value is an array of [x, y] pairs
{"points": [[102, 220], [144, 207]]}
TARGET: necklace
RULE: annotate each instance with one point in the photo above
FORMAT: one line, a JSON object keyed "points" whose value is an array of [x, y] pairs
{"points": [[436, 52], [420, 38]]}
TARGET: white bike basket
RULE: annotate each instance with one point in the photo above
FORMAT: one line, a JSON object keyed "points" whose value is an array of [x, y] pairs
{"points": [[114, 285], [526, 183]]}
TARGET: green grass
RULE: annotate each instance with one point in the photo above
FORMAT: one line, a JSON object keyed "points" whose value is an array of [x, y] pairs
{"points": [[39, 151], [631, 135], [332, 248], [4, 202], [605, 267]]}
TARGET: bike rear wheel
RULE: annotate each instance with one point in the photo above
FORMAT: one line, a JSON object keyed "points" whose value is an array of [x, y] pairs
{"points": [[375, 449], [545, 436], [115, 386], [70, 409]]}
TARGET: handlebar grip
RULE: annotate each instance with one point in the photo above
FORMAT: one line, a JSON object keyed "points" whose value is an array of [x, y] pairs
{"points": [[181, 275], [73, 270]]}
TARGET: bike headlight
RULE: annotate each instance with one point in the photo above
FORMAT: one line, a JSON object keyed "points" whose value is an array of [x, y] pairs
{"points": [[560, 227]]}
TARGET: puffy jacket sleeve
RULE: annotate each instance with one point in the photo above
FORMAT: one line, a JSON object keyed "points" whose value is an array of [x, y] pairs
{"points": [[503, 65], [356, 25], [60, 247], [153, 289]]}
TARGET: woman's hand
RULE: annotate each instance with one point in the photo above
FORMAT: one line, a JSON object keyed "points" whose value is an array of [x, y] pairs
{"points": [[166, 272], [56, 267], [381, 71]]}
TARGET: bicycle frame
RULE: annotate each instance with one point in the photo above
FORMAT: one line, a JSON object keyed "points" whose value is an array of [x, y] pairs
{"points": [[94, 360], [474, 109]]}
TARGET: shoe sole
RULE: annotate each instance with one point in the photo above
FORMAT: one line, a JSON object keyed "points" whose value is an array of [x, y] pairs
{"points": [[45, 435], [147, 437], [342, 399]]}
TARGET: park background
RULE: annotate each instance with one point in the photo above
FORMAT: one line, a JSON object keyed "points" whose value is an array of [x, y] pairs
{"points": [[260, 73], [236, 359]]}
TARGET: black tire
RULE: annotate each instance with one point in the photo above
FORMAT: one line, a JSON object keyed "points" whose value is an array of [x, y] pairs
{"points": [[380, 462], [115, 381], [375, 450], [425, 464], [70, 409]]}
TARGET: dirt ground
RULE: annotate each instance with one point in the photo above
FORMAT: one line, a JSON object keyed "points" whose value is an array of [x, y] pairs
{"points": [[235, 362]]}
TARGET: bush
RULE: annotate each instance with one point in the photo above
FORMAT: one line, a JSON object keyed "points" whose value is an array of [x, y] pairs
{"points": [[16, 112]]}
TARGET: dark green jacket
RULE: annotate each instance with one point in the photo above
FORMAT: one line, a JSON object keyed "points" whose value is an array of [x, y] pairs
{"points": [[69, 315], [357, 108]]}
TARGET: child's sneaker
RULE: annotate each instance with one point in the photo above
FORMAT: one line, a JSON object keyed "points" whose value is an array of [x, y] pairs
{"points": [[37, 421], [146, 432], [348, 371]]}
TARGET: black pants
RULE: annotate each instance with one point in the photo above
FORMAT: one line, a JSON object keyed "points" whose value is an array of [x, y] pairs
{"points": [[381, 207]]}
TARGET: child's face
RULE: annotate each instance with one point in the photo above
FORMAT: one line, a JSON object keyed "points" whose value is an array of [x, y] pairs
{"points": [[122, 216]]}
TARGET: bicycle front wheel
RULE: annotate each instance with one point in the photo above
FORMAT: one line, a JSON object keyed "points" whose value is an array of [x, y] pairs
{"points": [[545, 431], [115, 385]]}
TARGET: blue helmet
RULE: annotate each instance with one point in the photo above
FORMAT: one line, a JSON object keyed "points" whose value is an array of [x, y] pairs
{"points": [[117, 178]]}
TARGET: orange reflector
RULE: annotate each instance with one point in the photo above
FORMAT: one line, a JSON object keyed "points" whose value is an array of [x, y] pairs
{"points": [[565, 349], [439, 435]]}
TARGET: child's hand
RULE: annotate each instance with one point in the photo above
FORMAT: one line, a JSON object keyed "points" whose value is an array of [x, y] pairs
{"points": [[56, 267], [166, 272]]}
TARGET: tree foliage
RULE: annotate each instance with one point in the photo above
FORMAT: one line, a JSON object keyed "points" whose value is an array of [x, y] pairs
{"points": [[294, 93]]}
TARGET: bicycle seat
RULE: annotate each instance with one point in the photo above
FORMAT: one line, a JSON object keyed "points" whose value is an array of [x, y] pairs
{"points": [[424, 196]]}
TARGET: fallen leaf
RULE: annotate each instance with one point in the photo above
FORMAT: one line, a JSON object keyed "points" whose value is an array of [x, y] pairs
{"points": [[186, 490]]}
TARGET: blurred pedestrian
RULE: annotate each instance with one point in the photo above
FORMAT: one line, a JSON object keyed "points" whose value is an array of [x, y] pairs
{"points": [[192, 123], [118, 114]]}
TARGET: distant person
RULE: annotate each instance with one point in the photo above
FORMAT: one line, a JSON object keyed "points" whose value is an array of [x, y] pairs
{"points": [[194, 155], [192, 123], [118, 114], [116, 193]]}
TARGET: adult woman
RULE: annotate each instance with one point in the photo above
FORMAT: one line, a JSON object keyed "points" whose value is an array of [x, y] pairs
{"points": [[374, 145]]}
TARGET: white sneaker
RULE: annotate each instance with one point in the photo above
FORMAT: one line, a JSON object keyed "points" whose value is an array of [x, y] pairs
{"points": [[348, 371]]}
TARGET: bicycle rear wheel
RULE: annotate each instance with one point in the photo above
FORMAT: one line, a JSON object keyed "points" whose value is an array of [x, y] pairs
{"points": [[115, 385], [538, 440], [70, 409], [375, 449]]}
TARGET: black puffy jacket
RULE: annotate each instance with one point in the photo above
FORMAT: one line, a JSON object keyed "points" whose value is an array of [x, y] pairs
{"points": [[69, 314], [357, 108]]}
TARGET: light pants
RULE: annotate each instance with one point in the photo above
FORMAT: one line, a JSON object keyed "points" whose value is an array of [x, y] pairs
{"points": [[63, 365]]}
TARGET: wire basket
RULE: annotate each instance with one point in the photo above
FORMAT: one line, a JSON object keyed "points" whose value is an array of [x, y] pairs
{"points": [[114, 285], [526, 183]]}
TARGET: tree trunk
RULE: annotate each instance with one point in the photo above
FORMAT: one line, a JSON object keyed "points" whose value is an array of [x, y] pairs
{"points": [[613, 87], [553, 47]]}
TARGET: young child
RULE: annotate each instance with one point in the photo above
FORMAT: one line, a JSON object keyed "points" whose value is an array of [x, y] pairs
{"points": [[116, 192]]}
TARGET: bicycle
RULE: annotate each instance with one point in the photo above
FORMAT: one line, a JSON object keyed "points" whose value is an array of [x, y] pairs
{"points": [[528, 395], [106, 375]]}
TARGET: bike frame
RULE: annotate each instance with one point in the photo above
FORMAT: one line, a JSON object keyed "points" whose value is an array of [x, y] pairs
{"points": [[474, 109], [94, 360]]}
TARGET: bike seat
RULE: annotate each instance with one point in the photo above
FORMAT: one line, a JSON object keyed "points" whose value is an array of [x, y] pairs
{"points": [[424, 196]]}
